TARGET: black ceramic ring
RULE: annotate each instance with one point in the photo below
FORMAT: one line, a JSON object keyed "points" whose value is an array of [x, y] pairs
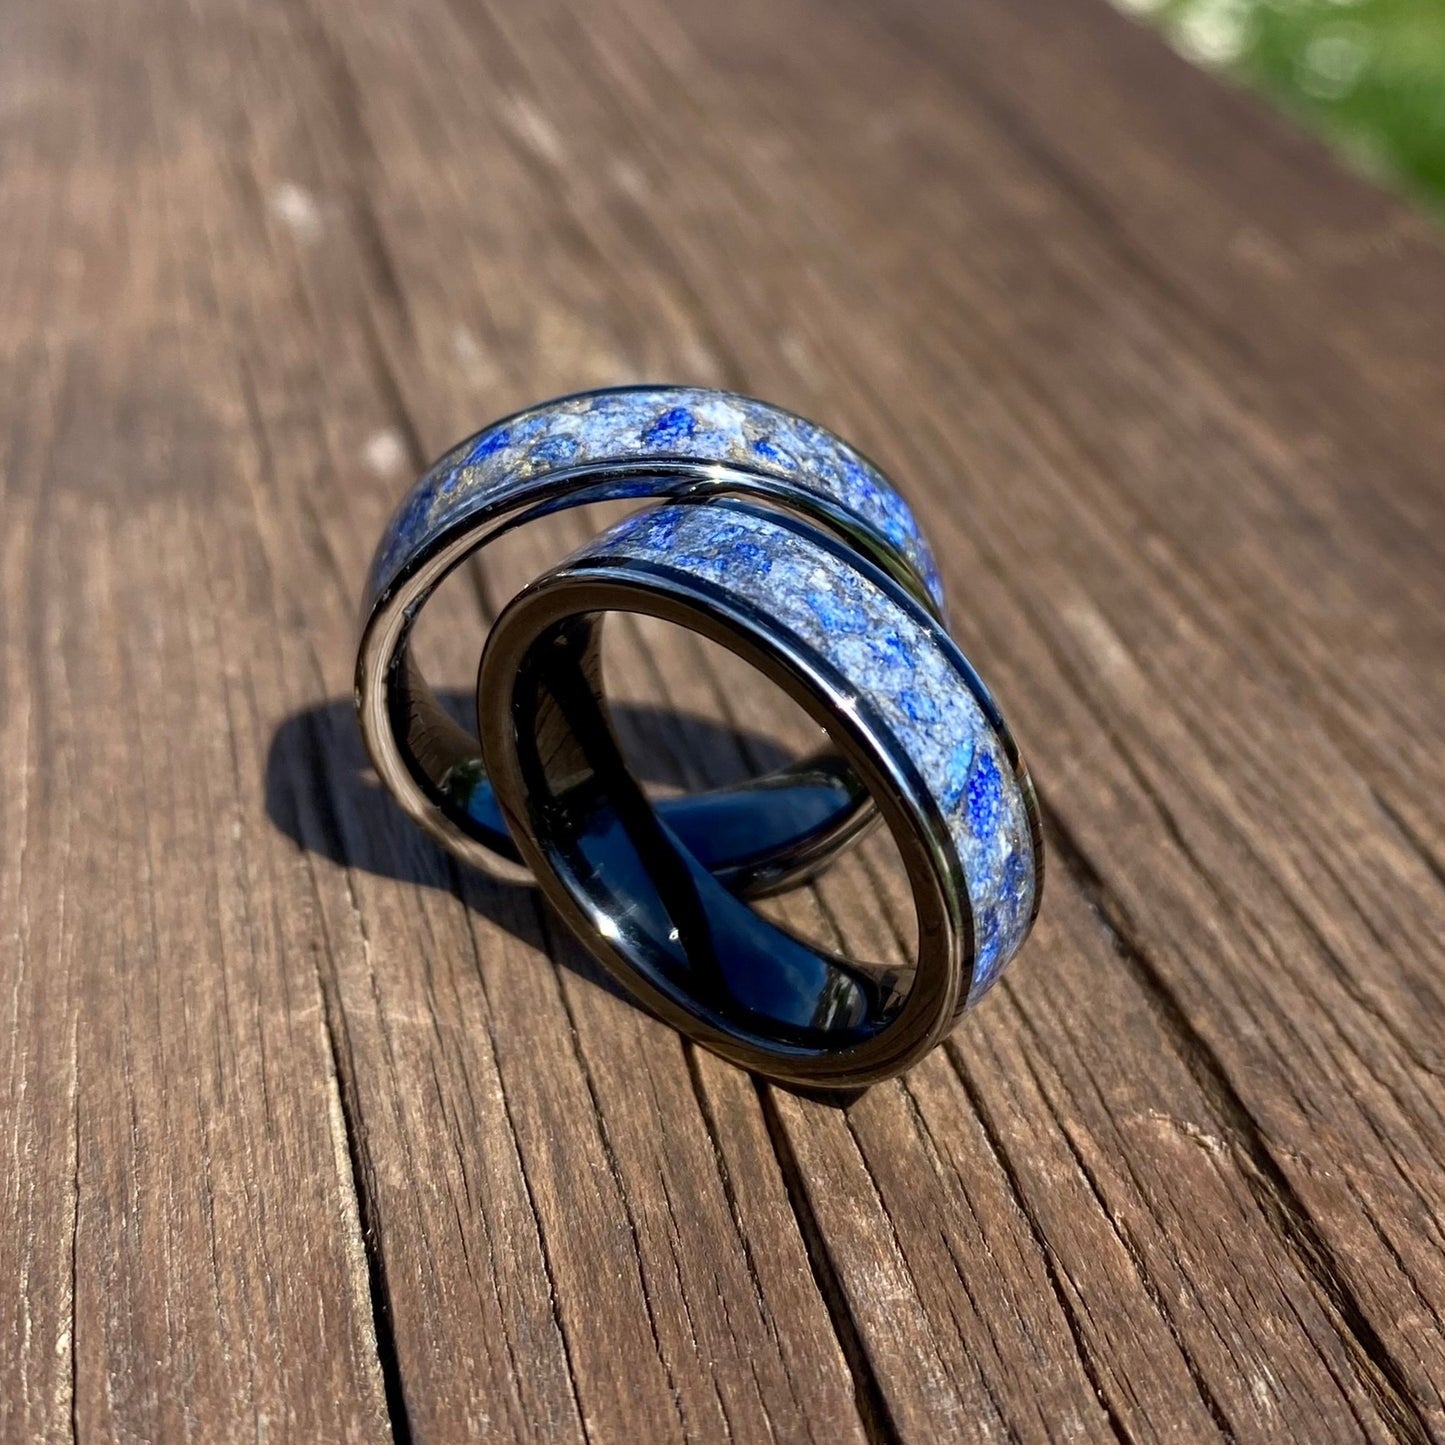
{"points": [[633, 443], [903, 707]]}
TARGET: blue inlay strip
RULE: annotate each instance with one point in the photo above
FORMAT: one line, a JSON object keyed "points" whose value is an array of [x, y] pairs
{"points": [[497, 467], [902, 666]]}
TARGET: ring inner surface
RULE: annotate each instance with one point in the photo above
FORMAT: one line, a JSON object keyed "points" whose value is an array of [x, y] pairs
{"points": [[738, 829], [644, 877], [753, 834]]}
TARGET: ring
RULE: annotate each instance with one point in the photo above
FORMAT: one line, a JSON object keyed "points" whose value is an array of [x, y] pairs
{"points": [[901, 703], [626, 443]]}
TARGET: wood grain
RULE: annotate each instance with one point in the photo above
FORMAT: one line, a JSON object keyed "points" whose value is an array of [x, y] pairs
{"points": [[313, 1135]]}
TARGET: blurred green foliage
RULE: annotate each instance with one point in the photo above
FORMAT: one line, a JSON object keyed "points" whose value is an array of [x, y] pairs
{"points": [[1369, 73]]}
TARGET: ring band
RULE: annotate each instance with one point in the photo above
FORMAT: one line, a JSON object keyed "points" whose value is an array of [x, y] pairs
{"points": [[626, 443], [900, 701]]}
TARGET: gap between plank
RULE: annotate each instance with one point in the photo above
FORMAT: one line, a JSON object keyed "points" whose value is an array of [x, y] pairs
{"points": [[378, 1290], [1146, 1283], [343, 1074], [1417, 844], [873, 1411], [1051, 1272], [1275, 1195], [454, 870], [549, 944], [75, 1249]]}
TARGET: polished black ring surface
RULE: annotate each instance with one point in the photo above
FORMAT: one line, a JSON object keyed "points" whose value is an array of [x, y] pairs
{"points": [[631, 443], [901, 703]]}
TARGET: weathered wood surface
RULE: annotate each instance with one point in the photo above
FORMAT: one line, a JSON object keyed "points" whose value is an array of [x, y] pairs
{"points": [[312, 1136]]}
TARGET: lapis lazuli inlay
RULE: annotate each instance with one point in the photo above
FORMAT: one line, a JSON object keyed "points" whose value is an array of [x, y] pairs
{"points": [[900, 663], [672, 428], [645, 424]]}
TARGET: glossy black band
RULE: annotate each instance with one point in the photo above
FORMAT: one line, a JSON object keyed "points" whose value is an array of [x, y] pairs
{"points": [[629, 443], [904, 710]]}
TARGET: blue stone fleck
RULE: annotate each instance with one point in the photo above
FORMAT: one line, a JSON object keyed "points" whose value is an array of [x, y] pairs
{"points": [[1015, 875], [918, 706], [988, 936], [489, 444], [889, 649], [985, 786], [771, 452], [839, 614], [859, 478], [750, 554], [896, 530], [956, 775], [555, 450], [648, 528], [675, 426]]}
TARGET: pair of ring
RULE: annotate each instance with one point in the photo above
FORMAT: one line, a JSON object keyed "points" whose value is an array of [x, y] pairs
{"points": [[767, 534]]}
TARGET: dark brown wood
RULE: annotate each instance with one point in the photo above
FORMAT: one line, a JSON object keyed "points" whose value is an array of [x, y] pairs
{"points": [[313, 1135]]}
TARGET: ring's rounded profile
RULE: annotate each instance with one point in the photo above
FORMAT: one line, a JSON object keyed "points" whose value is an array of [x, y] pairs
{"points": [[638, 442], [900, 701]]}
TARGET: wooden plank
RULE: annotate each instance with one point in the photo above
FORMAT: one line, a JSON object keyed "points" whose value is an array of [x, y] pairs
{"points": [[1298, 283], [558, 86], [1216, 199], [657, 1333], [797, 125], [1178, 1178], [180, 1240]]}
